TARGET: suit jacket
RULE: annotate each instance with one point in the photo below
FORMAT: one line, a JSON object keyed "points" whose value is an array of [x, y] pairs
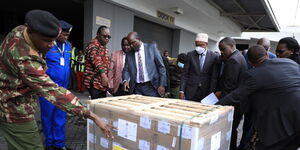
{"points": [[154, 64], [231, 76], [273, 91], [195, 81], [116, 69]]}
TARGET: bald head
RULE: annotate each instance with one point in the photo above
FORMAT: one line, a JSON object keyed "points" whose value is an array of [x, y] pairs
{"points": [[134, 40], [257, 54], [265, 43]]}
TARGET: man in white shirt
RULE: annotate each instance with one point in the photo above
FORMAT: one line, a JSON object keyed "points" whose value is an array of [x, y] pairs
{"points": [[144, 72]]}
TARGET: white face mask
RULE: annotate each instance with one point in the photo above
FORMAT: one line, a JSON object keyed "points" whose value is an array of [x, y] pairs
{"points": [[200, 49]]}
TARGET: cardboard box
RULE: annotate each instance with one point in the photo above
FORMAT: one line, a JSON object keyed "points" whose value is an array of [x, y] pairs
{"points": [[149, 123]]}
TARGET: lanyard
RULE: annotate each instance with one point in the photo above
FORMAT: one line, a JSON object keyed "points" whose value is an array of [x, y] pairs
{"points": [[60, 50]]}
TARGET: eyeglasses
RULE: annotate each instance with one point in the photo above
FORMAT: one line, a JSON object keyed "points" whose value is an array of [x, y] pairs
{"points": [[106, 36], [280, 51]]}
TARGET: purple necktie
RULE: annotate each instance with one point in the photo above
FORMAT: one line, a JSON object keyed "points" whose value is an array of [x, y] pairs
{"points": [[141, 71]]}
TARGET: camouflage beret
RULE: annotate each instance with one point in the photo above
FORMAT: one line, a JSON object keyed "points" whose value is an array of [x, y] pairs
{"points": [[43, 22]]}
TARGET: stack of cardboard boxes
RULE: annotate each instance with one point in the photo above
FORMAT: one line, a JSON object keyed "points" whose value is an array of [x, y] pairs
{"points": [[148, 123]]}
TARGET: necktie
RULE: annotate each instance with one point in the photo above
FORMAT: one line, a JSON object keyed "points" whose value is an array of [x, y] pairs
{"points": [[201, 59], [141, 71]]}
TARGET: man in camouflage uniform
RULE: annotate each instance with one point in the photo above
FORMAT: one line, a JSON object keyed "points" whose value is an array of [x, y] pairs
{"points": [[23, 78]]}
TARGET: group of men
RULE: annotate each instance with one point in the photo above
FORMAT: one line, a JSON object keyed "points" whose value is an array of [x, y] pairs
{"points": [[264, 90]]}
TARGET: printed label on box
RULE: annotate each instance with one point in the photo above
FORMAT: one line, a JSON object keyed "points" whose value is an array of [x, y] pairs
{"points": [[164, 126], [174, 142], [104, 142], [117, 147], [92, 138], [215, 141], [145, 122], [90, 121], [201, 144], [186, 131], [230, 116], [144, 145], [214, 118], [116, 143], [228, 135], [160, 147], [127, 129]]}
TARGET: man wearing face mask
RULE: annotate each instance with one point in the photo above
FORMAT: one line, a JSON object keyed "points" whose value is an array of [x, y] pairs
{"points": [[176, 70], [201, 71]]}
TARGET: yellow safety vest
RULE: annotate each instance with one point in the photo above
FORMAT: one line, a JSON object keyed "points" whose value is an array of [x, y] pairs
{"points": [[81, 67]]}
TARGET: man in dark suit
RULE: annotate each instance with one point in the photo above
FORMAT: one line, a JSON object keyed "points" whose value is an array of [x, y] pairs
{"points": [[231, 77], [200, 72], [273, 91], [144, 72]]}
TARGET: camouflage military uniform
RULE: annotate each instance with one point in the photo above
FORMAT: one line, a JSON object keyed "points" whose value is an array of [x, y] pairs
{"points": [[22, 79]]}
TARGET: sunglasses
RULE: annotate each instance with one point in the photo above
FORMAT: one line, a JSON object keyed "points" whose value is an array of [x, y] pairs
{"points": [[106, 36], [280, 51]]}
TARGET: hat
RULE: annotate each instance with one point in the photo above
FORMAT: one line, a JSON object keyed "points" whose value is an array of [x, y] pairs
{"points": [[65, 26], [42, 22], [203, 37]]}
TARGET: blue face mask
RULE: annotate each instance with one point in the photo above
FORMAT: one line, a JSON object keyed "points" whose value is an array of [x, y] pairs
{"points": [[180, 65]]}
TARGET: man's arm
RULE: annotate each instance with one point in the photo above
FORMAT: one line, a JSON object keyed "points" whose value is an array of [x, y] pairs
{"points": [[112, 70], [215, 74], [185, 75], [33, 74], [160, 66], [241, 94], [231, 76]]}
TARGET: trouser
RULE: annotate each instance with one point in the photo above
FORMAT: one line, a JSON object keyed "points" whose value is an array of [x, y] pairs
{"points": [[95, 93], [21, 136], [120, 91], [79, 79], [146, 89], [248, 132], [53, 123], [237, 116], [175, 92], [72, 80], [290, 143]]}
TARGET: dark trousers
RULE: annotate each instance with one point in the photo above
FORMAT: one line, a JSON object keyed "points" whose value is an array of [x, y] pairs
{"points": [[120, 91], [146, 89], [237, 116], [72, 80], [290, 143], [95, 93], [248, 132]]}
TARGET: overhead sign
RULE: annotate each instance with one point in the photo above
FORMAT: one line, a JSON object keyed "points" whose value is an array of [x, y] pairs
{"points": [[103, 21], [165, 17]]}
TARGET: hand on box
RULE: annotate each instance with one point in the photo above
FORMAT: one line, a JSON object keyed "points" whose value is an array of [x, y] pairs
{"points": [[161, 90], [181, 95], [105, 128], [126, 86]]}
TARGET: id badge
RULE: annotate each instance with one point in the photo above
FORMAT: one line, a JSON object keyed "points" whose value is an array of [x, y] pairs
{"points": [[62, 61]]}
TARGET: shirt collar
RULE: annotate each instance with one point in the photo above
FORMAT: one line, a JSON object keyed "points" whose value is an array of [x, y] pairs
{"points": [[28, 40]]}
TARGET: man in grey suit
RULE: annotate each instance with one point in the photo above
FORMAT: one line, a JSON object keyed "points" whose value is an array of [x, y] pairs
{"points": [[144, 72], [231, 76], [272, 89], [200, 71]]}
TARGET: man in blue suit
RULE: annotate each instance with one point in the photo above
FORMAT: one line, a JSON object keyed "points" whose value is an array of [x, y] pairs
{"points": [[58, 63], [144, 72]]}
